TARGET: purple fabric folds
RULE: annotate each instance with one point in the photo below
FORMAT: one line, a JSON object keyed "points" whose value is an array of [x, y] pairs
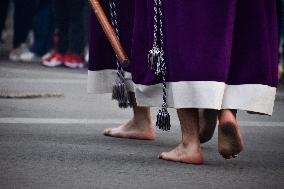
{"points": [[231, 41], [220, 54]]}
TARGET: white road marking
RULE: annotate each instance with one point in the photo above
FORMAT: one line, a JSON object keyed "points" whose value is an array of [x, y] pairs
{"points": [[13, 120], [64, 121], [261, 124], [47, 72]]}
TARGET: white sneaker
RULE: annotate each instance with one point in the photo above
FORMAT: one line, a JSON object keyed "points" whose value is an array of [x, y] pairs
{"points": [[16, 53], [29, 57]]}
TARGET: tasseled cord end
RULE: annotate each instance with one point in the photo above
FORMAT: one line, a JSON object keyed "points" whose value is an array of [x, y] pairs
{"points": [[163, 119], [120, 92], [155, 60]]}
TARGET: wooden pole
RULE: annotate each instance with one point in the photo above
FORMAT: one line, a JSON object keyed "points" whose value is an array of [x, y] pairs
{"points": [[113, 39]]}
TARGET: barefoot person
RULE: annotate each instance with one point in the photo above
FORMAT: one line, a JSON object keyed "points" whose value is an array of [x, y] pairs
{"points": [[219, 55], [141, 126], [102, 73]]}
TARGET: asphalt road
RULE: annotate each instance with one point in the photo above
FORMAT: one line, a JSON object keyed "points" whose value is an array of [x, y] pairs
{"points": [[57, 142]]}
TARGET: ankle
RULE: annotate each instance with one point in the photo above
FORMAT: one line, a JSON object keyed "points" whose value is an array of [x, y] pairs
{"points": [[142, 118], [141, 123], [227, 115], [192, 142], [228, 111]]}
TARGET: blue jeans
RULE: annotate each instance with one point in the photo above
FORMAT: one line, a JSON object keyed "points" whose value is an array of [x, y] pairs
{"points": [[23, 16], [70, 25], [43, 27], [3, 14]]}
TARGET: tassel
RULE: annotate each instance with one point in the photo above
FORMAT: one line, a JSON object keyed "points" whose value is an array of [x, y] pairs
{"points": [[163, 119], [154, 59], [120, 92]]}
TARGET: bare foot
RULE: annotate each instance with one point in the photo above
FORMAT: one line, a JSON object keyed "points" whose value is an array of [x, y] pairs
{"points": [[188, 151], [207, 124], [230, 141], [142, 130], [190, 154]]}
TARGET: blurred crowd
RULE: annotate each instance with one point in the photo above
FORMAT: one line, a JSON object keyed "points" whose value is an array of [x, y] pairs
{"points": [[53, 32]]}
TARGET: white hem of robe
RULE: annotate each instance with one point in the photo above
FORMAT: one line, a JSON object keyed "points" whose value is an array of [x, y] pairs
{"points": [[100, 82], [191, 94]]}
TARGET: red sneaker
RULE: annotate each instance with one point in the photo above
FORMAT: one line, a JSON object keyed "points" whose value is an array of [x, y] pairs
{"points": [[73, 61], [53, 60]]}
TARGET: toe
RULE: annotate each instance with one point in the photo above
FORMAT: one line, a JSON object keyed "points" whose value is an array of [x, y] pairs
{"points": [[107, 132], [235, 156], [163, 156], [225, 156]]}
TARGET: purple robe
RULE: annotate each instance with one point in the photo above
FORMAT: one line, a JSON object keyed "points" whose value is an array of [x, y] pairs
{"points": [[220, 54]]}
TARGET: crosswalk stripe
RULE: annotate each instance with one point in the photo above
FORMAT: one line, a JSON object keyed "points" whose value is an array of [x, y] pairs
{"points": [[64, 121]]}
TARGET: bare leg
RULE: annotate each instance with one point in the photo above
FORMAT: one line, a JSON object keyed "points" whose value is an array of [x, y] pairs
{"points": [[207, 124], [188, 151], [139, 127], [230, 141]]}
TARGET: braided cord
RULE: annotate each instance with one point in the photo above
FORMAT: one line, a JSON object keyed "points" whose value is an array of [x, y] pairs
{"points": [[114, 23], [162, 67], [113, 15], [120, 91], [155, 23]]}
